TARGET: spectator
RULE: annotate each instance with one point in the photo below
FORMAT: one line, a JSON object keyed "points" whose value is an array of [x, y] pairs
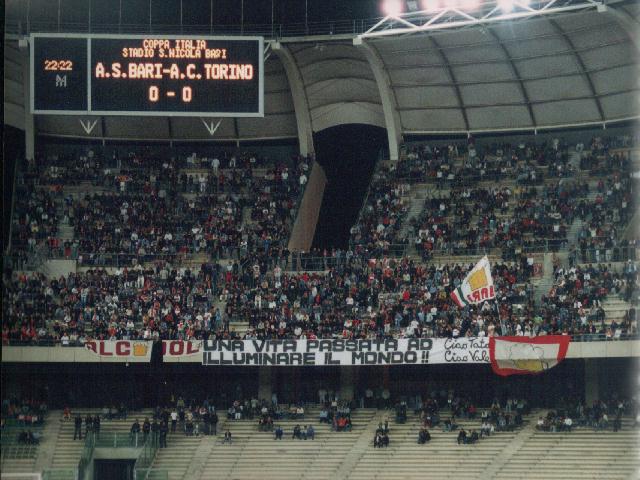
{"points": [[423, 436], [164, 429], [77, 432], [134, 432]]}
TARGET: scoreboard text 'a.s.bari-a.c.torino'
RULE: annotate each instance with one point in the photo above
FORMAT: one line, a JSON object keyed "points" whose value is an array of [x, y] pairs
{"points": [[147, 75]]}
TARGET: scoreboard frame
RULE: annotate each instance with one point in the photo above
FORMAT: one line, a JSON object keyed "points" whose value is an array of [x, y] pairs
{"points": [[138, 113]]}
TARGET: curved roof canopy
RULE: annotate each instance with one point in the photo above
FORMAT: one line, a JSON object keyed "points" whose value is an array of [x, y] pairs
{"points": [[569, 69]]}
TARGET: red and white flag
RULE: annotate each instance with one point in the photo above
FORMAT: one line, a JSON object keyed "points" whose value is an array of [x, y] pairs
{"points": [[527, 355], [476, 287]]}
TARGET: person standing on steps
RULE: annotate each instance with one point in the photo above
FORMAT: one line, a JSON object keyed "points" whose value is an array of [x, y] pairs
{"points": [[214, 423], [174, 420], [155, 432], [88, 425], [96, 425], [164, 429], [77, 432], [146, 429]]}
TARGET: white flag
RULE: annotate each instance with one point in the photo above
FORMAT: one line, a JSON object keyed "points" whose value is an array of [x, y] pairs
{"points": [[476, 287]]}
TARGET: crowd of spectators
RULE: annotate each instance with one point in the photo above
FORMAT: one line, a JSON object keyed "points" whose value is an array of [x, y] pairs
{"points": [[468, 221], [355, 299], [574, 302], [35, 219], [155, 210], [604, 414], [464, 163], [148, 205], [146, 226], [23, 412], [21, 420], [382, 215]]}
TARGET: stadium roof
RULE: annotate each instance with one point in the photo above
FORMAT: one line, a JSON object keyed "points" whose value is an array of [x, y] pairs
{"points": [[565, 70]]}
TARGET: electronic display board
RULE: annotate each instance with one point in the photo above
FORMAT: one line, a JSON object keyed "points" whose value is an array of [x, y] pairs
{"points": [[152, 75], [59, 75]]}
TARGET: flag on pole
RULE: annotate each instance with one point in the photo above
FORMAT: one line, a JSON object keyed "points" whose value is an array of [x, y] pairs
{"points": [[476, 287], [526, 355]]}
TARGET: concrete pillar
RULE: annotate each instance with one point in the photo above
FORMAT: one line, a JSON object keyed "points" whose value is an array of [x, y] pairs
{"points": [[299, 96], [591, 380], [304, 228], [265, 384], [29, 126], [387, 97], [348, 382]]}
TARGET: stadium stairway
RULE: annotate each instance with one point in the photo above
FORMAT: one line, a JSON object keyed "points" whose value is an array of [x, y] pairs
{"points": [[574, 159], [615, 308], [256, 454], [543, 286], [180, 454], [48, 442], [574, 232], [416, 198], [523, 436], [67, 451], [441, 458], [22, 464], [17, 458], [360, 446], [583, 454]]}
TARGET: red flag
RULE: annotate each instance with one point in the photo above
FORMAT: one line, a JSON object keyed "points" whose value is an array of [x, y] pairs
{"points": [[526, 355]]}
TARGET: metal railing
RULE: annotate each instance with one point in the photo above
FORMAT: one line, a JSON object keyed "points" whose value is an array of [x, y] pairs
{"points": [[269, 30], [301, 262], [125, 440], [603, 337], [87, 455], [60, 474], [615, 253], [142, 468], [108, 439], [150, 474]]}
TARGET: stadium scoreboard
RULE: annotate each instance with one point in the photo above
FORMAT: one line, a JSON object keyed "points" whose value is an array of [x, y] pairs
{"points": [[147, 75]]}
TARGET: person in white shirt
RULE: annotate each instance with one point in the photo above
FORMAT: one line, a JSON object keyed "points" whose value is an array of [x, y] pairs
{"points": [[568, 423]]}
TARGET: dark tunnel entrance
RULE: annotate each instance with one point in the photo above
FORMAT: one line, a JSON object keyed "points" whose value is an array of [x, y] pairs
{"points": [[348, 154]]}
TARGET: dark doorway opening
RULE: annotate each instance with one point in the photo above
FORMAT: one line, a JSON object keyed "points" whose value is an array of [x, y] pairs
{"points": [[348, 154], [113, 469]]}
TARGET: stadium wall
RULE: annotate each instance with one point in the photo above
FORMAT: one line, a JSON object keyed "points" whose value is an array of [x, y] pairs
{"points": [[93, 385]]}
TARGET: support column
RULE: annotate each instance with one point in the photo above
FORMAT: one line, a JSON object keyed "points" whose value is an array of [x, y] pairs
{"points": [[348, 382], [591, 380], [29, 126], [300, 102], [306, 221], [387, 97], [265, 384]]}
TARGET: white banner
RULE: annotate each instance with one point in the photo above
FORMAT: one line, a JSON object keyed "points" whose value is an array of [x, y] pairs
{"points": [[94, 351], [403, 351], [119, 350], [181, 351]]}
